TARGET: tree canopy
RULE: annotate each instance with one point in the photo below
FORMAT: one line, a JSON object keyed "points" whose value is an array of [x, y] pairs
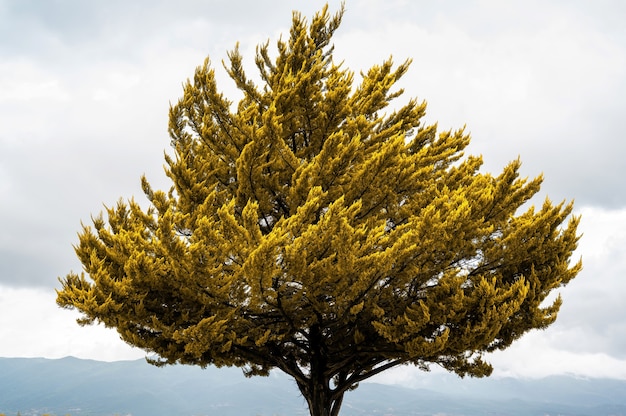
{"points": [[312, 229]]}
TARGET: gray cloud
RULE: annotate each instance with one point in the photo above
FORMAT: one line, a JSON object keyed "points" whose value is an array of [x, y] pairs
{"points": [[547, 86]]}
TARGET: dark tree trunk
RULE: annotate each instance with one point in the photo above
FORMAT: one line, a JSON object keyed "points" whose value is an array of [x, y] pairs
{"points": [[316, 389], [321, 399]]}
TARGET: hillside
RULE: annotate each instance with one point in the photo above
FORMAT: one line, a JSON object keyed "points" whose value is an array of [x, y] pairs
{"points": [[34, 386]]}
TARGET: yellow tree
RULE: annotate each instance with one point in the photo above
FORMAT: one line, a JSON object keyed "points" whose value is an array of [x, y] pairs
{"points": [[311, 231]]}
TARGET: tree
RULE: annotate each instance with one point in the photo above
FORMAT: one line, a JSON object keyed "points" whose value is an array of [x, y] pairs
{"points": [[310, 231]]}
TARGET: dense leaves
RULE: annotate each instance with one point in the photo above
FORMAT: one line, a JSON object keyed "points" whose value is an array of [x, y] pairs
{"points": [[311, 229]]}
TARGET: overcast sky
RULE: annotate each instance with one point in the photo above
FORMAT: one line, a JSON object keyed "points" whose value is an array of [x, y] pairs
{"points": [[85, 89]]}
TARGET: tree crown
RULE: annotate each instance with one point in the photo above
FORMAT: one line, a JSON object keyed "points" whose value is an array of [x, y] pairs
{"points": [[307, 229]]}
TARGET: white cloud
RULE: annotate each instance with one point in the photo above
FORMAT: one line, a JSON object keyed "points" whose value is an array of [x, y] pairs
{"points": [[604, 233], [593, 315], [22, 80], [534, 356], [32, 325], [5, 183], [31, 100]]}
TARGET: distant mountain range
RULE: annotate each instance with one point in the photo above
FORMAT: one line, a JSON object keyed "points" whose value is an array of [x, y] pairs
{"points": [[70, 386]]}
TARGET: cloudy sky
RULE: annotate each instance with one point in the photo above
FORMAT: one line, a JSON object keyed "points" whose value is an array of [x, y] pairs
{"points": [[85, 88]]}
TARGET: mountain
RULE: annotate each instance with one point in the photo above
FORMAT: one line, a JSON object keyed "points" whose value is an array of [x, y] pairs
{"points": [[70, 386]]}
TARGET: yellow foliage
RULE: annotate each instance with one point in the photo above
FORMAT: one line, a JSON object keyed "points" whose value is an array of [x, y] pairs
{"points": [[309, 228]]}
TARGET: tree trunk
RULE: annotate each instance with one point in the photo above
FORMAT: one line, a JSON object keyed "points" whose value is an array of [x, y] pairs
{"points": [[321, 398], [322, 401]]}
